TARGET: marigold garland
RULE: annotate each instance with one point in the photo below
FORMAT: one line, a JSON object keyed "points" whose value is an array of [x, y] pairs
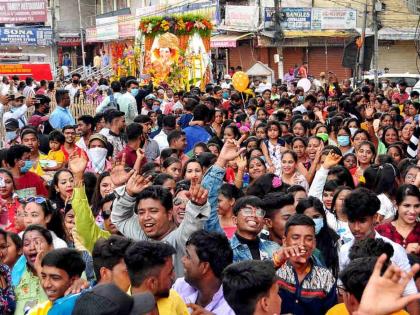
{"points": [[186, 24]]}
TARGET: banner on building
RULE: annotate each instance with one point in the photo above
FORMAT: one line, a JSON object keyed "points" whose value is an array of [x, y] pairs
{"points": [[126, 26], [208, 8], [37, 71], [313, 18], [242, 16], [25, 36], [107, 28], [23, 11], [333, 19]]}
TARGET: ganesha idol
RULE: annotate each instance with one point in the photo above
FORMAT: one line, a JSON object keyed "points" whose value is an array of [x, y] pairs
{"points": [[165, 51]]}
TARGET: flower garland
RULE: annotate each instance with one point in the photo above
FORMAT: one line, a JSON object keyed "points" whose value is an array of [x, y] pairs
{"points": [[186, 24]]}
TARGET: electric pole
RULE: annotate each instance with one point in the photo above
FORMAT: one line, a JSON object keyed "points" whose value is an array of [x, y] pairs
{"points": [[375, 44], [81, 38], [362, 48], [277, 28]]}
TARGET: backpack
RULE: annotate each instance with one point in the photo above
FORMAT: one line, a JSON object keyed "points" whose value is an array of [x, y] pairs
{"points": [[113, 104]]}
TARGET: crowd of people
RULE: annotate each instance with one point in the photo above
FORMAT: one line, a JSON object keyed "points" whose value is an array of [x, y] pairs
{"points": [[209, 201]]}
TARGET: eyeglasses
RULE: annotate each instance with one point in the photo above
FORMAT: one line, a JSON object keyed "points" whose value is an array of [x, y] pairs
{"points": [[248, 211], [36, 199], [410, 176], [106, 214], [180, 201]]}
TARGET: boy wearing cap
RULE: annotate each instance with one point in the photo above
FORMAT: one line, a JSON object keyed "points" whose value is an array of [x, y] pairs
{"points": [[12, 132], [17, 110], [60, 268]]}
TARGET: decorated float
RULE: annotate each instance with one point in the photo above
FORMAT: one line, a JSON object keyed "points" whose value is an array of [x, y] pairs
{"points": [[124, 59], [177, 50]]}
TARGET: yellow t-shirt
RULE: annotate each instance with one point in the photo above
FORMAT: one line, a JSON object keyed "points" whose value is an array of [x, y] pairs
{"points": [[172, 305], [340, 309], [38, 169], [57, 156]]}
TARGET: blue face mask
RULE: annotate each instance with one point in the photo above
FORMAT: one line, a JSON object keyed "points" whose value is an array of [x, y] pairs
{"points": [[225, 95], [11, 135], [28, 164], [319, 224], [301, 98], [343, 141], [134, 92]]}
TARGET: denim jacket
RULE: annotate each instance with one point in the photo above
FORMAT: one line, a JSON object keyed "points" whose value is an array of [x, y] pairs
{"points": [[241, 251], [212, 181]]}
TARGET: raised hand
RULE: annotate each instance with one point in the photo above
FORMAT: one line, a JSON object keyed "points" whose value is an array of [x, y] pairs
{"points": [[119, 176], [230, 151], [370, 110], [331, 160], [386, 290], [136, 183], [241, 162], [197, 194], [77, 163]]}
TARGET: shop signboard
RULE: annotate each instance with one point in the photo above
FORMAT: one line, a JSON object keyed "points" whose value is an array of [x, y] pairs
{"points": [[333, 18], [38, 71], [107, 28], [69, 41], [25, 36], [245, 17], [91, 35], [295, 18], [23, 11]]}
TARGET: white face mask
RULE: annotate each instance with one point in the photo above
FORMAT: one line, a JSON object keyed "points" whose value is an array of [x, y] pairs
{"points": [[98, 158], [353, 131]]}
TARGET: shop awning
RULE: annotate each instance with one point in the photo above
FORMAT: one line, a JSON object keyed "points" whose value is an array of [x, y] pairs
{"points": [[227, 40]]}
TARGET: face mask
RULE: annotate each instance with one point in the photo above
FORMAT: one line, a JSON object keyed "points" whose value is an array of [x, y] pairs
{"points": [[11, 135], [323, 136], [98, 158], [384, 85], [321, 98], [76, 81], [301, 98], [134, 92], [319, 224], [225, 95], [343, 141], [25, 168], [353, 131]]}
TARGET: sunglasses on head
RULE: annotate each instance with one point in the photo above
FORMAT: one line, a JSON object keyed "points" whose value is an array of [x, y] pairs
{"points": [[37, 200]]}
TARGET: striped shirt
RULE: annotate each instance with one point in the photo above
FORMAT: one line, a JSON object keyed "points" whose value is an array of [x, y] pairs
{"points": [[315, 295]]}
